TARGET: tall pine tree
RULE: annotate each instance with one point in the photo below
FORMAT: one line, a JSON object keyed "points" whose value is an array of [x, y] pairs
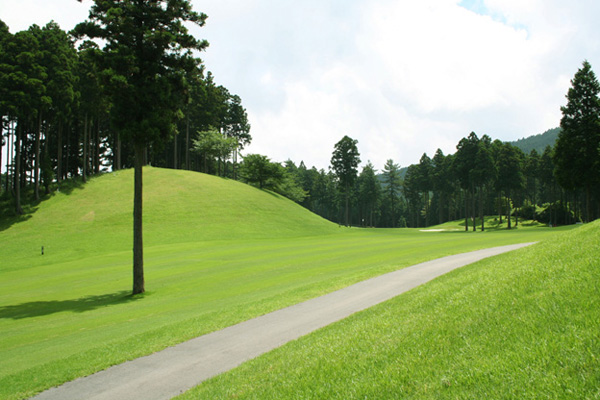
{"points": [[147, 53], [577, 150]]}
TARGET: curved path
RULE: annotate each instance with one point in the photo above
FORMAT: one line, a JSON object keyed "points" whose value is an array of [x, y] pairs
{"points": [[168, 373]]}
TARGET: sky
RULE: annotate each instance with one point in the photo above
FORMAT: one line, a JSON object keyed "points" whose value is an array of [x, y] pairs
{"points": [[402, 77]]}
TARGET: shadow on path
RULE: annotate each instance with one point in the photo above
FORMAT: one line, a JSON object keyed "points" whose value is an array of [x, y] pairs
{"points": [[83, 304]]}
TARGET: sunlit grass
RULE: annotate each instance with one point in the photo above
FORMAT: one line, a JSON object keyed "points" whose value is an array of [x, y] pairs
{"points": [[217, 252], [523, 325]]}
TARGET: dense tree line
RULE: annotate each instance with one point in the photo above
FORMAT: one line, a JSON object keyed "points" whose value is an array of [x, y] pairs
{"points": [[484, 177], [58, 118]]}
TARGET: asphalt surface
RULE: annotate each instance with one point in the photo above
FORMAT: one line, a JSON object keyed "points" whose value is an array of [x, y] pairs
{"points": [[172, 371]]}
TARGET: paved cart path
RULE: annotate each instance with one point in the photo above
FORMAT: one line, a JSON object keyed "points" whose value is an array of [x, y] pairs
{"points": [[167, 373]]}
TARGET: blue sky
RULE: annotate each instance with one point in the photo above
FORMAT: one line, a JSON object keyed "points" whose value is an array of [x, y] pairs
{"points": [[402, 77]]}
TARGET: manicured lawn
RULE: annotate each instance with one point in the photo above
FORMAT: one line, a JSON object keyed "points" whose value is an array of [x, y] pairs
{"points": [[523, 325], [217, 252]]}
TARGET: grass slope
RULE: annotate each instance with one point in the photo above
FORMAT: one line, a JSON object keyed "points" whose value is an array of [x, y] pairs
{"points": [[217, 252], [524, 325], [179, 206]]}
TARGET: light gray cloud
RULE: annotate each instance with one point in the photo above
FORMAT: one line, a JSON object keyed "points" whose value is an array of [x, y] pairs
{"points": [[403, 77]]}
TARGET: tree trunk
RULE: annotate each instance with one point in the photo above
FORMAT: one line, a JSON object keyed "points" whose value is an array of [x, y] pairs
{"points": [[481, 194], [187, 142], [466, 211], [587, 204], [9, 157], [85, 140], [119, 151], [347, 204], [36, 167], [59, 153], [174, 151], [138, 243], [17, 174], [1, 146], [473, 211], [97, 148], [509, 208]]}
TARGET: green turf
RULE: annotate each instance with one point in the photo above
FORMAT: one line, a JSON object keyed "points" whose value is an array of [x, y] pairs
{"points": [[523, 325], [217, 252]]}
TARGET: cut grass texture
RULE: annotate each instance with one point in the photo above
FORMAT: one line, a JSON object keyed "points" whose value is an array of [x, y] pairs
{"points": [[217, 252], [523, 325]]}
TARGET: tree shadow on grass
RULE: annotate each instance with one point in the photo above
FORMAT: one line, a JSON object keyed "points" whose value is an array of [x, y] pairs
{"points": [[83, 304]]}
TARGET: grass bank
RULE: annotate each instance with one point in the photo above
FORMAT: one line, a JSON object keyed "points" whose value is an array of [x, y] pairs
{"points": [[521, 325], [217, 252]]}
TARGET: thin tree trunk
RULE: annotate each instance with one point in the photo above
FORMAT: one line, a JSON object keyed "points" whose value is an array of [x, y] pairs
{"points": [[347, 206], [473, 211], [138, 243], [174, 151], [187, 142], [481, 194], [97, 148], [118, 151], [17, 177], [85, 140], [36, 167], [9, 157], [466, 211], [509, 208], [59, 153], [1, 146]]}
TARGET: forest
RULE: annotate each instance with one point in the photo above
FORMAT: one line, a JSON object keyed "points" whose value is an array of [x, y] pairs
{"points": [[55, 109], [57, 122]]}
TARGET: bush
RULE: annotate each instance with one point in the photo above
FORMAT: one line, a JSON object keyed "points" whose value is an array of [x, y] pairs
{"points": [[557, 213]]}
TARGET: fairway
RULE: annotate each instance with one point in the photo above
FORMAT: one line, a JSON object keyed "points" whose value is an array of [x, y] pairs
{"points": [[236, 254], [521, 325]]}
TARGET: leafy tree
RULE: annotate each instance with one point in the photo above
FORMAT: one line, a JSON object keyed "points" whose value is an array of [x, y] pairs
{"points": [[531, 171], [58, 57], [212, 145], [465, 161], [442, 182], [146, 55], [369, 190], [412, 194], [510, 174], [425, 183], [484, 173], [393, 185], [344, 163], [23, 93], [257, 169], [577, 151]]}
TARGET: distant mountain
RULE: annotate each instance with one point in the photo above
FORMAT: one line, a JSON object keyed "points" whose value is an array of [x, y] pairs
{"points": [[537, 142]]}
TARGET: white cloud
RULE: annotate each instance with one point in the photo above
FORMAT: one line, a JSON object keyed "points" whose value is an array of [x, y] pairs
{"points": [[402, 77]]}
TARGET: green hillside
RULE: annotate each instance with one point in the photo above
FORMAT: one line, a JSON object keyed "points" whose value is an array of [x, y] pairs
{"points": [[217, 252], [537, 142], [179, 206]]}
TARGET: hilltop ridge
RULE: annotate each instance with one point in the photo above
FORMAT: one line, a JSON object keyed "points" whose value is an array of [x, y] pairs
{"points": [[179, 206]]}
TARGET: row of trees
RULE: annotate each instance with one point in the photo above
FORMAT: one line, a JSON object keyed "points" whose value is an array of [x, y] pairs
{"points": [[483, 177], [58, 113]]}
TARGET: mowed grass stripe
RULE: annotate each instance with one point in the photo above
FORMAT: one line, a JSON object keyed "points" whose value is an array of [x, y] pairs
{"points": [[68, 313], [521, 325]]}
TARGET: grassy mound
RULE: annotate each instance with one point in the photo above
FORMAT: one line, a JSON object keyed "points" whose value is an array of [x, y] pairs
{"points": [[521, 325], [179, 206]]}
